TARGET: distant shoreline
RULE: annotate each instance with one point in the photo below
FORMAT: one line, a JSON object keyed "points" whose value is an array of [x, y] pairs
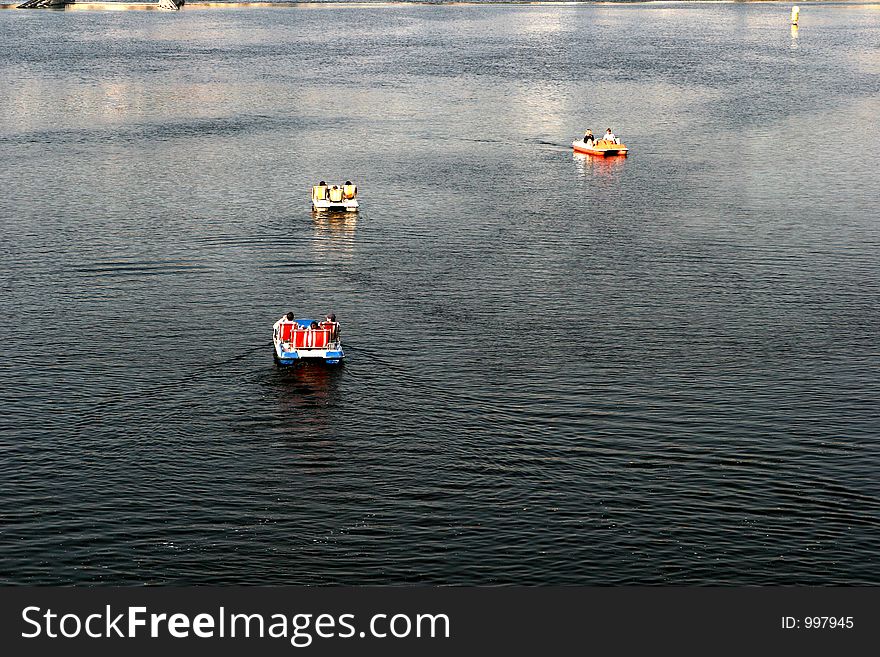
{"points": [[214, 4]]}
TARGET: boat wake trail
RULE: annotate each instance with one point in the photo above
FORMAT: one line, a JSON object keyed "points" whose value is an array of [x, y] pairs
{"points": [[555, 145], [237, 357]]}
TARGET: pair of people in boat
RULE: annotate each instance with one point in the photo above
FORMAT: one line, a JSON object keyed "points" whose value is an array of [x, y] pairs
{"points": [[590, 140], [336, 193]]}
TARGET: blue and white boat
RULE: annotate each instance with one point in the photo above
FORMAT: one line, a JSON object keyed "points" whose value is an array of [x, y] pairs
{"points": [[296, 339]]}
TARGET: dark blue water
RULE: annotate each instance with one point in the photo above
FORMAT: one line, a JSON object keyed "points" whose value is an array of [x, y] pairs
{"points": [[560, 370]]}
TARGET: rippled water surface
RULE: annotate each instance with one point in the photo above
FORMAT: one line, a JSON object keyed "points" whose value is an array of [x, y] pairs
{"points": [[561, 370]]}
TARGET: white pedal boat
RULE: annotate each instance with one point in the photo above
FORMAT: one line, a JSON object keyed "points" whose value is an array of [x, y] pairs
{"points": [[346, 205], [339, 198]]}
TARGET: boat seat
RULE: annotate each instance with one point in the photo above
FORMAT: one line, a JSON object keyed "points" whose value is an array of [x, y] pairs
{"points": [[301, 338], [310, 339], [286, 330]]}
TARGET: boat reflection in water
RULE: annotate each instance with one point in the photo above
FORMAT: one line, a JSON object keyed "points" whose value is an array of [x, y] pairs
{"points": [[598, 166], [303, 420], [307, 385], [335, 223], [334, 232], [307, 395]]}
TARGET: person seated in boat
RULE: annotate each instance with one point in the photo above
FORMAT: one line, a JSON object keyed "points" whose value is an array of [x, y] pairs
{"points": [[610, 136], [287, 318], [349, 191], [319, 191], [589, 139], [330, 324], [335, 194], [310, 338]]}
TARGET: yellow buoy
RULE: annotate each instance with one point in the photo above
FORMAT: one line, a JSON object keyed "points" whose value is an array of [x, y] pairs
{"points": [[795, 12]]}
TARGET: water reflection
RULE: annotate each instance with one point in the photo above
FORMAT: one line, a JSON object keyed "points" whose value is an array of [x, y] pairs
{"points": [[592, 166], [335, 223], [794, 36], [307, 386], [334, 231], [549, 21], [307, 394]]}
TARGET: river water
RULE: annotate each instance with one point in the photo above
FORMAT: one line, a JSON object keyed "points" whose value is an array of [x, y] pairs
{"points": [[658, 370]]}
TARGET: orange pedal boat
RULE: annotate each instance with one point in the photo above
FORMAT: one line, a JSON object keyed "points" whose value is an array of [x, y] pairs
{"points": [[602, 147]]}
